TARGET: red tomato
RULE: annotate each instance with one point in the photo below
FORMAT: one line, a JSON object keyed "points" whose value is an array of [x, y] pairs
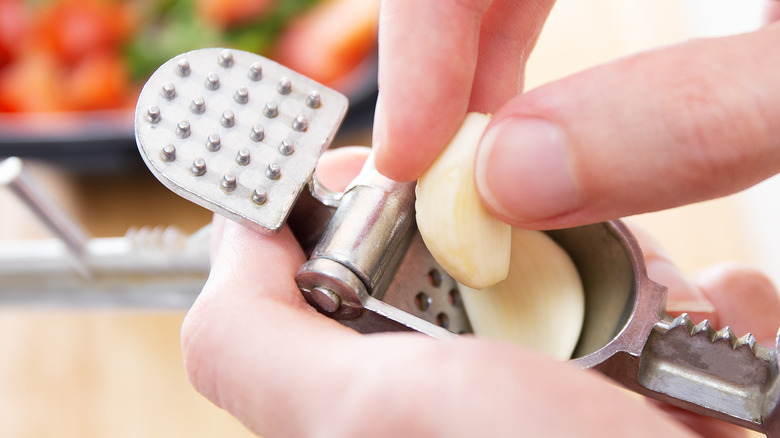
{"points": [[98, 82], [227, 13], [330, 40], [75, 29], [30, 84], [14, 27]]}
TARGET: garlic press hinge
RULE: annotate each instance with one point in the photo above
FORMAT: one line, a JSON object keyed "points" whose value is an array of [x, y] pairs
{"points": [[370, 264]]}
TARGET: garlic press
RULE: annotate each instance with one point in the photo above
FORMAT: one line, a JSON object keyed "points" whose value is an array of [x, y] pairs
{"points": [[241, 135]]}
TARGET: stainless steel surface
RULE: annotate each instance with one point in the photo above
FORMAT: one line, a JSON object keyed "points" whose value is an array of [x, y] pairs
{"points": [[158, 268], [270, 114], [628, 336], [148, 267], [14, 176], [371, 229], [712, 372]]}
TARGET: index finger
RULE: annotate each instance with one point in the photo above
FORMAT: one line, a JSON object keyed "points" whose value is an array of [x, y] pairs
{"points": [[439, 59], [427, 59]]}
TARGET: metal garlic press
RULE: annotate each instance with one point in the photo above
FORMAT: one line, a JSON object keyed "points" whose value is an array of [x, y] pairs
{"points": [[241, 135]]}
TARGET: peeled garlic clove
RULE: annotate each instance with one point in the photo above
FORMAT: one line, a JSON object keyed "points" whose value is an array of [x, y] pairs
{"points": [[467, 241], [541, 303]]}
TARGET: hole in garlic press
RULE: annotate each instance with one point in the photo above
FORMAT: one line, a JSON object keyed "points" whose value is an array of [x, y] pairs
{"points": [[434, 277], [423, 301], [453, 297], [443, 320]]}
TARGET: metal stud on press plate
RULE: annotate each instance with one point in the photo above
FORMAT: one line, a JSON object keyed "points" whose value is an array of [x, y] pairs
{"points": [[235, 132], [198, 105]]}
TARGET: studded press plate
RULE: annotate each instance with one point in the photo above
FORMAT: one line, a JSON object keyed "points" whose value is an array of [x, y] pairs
{"points": [[235, 132]]}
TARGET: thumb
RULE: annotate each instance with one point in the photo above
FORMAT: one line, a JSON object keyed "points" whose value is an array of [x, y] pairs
{"points": [[657, 130]]}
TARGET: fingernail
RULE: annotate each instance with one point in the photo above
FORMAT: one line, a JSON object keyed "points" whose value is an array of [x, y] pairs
{"points": [[682, 295], [523, 172]]}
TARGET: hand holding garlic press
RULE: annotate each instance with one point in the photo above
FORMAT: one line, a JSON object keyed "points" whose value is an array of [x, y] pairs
{"points": [[242, 135], [645, 352]]}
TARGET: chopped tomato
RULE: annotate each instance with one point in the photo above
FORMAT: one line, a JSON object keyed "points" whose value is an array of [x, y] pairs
{"points": [[14, 27], [29, 84], [74, 29], [227, 13], [98, 82], [331, 39]]}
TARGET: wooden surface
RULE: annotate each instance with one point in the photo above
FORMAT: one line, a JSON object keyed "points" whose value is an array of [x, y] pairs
{"points": [[103, 373]]}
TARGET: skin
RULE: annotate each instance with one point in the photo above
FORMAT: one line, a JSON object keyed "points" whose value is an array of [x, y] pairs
{"points": [[641, 133], [254, 347]]}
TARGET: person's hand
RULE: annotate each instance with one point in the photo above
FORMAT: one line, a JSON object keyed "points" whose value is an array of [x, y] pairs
{"points": [[254, 347], [438, 60], [624, 144], [656, 130]]}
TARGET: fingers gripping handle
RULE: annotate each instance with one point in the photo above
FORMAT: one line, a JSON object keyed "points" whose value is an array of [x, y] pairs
{"points": [[713, 372]]}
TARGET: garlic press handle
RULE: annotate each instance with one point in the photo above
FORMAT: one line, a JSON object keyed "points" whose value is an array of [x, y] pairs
{"points": [[628, 336], [705, 371]]}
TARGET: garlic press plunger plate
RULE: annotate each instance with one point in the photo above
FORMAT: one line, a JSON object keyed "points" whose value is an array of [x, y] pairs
{"points": [[235, 133]]}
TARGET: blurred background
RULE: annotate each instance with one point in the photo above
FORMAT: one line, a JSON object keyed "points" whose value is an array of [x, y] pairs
{"points": [[69, 74]]}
